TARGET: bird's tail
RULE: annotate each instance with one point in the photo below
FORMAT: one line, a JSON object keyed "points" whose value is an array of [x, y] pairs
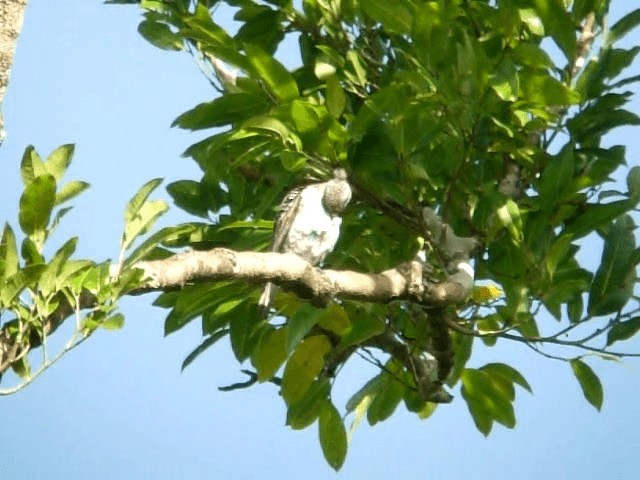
{"points": [[264, 303]]}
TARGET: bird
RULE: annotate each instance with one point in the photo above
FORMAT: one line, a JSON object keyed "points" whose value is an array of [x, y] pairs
{"points": [[308, 223]]}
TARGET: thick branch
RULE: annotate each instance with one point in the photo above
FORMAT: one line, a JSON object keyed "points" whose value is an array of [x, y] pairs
{"points": [[11, 16], [285, 269]]}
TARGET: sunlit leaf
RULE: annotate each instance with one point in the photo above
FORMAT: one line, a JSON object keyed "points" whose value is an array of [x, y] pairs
{"points": [[303, 367], [333, 436], [589, 382]]}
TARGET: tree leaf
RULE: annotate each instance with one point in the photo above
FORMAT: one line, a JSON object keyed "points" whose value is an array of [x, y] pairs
{"points": [[559, 24], [305, 411], [160, 35], [227, 109], [335, 319], [335, 99], [368, 390], [9, 261], [242, 328], [304, 365], [623, 26], [555, 181], [387, 399], [542, 88], [206, 343], [623, 330], [509, 216], [300, 324], [138, 200], [270, 353], [589, 382], [188, 195], [36, 204], [396, 16], [595, 216], [70, 190], [59, 161], [333, 436], [165, 234], [143, 220], [614, 280], [114, 322], [31, 165], [49, 279], [509, 373], [276, 77]]}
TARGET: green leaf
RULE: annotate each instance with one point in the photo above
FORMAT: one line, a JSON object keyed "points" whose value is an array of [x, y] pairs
{"points": [[276, 77], [543, 89], [292, 161], [262, 26], [242, 328], [589, 126], [210, 340], [9, 261], [614, 280], [462, 347], [160, 35], [531, 55], [300, 323], [138, 200], [31, 166], [23, 278], [509, 216], [623, 26], [333, 436], [270, 353], [188, 195], [633, 181], [227, 109], [190, 303], [623, 330], [334, 319], [49, 278], [595, 216], [555, 181], [558, 23], [305, 411], [363, 326], [22, 368], [487, 399], [389, 396], [59, 161], [589, 382], [396, 16], [36, 204], [166, 234], [509, 373], [69, 270], [143, 220], [70, 190], [304, 365], [335, 97], [114, 322], [368, 390]]}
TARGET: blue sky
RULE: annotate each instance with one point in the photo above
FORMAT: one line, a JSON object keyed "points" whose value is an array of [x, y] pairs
{"points": [[119, 408]]}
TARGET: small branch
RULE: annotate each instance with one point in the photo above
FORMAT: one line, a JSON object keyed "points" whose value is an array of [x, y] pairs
{"points": [[423, 368]]}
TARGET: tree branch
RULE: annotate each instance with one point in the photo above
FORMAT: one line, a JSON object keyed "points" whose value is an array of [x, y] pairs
{"points": [[285, 269]]}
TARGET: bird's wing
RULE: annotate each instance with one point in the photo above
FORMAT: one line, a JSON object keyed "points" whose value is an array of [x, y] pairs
{"points": [[288, 211]]}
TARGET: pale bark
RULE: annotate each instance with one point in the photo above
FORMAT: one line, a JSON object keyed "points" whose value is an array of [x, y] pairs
{"points": [[11, 16], [406, 281]]}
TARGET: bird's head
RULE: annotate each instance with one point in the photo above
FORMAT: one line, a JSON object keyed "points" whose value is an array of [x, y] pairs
{"points": [[337, 193]]}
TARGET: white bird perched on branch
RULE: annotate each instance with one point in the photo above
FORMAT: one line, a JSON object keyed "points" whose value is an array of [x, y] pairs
{"points": [[308, 223]]}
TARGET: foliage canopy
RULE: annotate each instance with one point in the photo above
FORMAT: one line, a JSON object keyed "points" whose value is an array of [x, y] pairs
{"points": [[493, 114]]}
